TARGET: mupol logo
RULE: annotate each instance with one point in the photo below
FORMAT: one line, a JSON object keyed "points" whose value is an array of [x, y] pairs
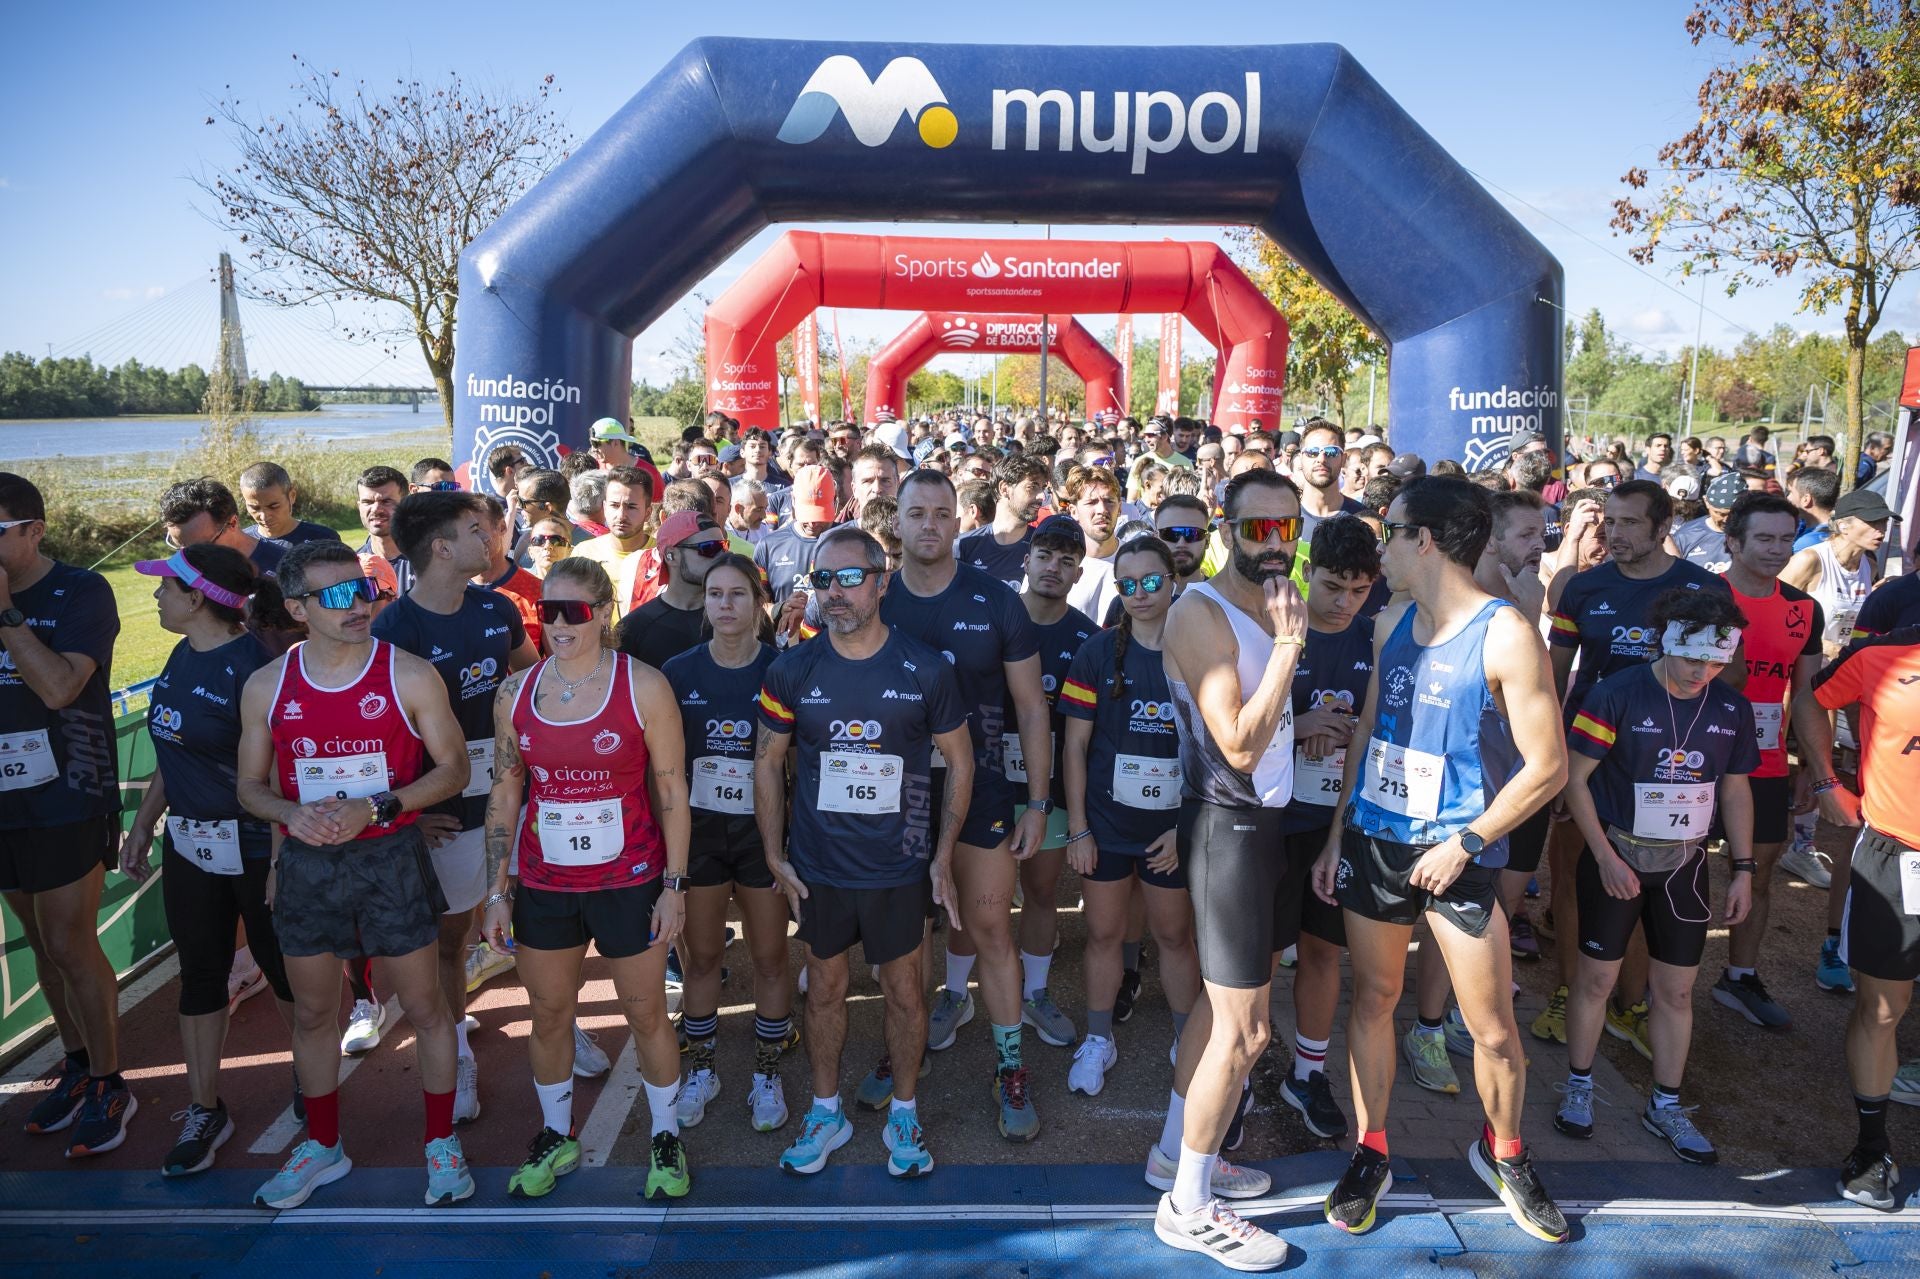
{"points": [[839, 86]]}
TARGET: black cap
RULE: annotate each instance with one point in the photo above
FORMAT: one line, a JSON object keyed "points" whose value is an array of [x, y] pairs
{"points": [[1863, 504], [1062, 528], [1287, 437], [1407, 466]]}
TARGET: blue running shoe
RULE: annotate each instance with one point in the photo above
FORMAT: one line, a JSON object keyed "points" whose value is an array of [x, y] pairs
{"points": [[907, 1153], [310, 1166], [823, 1132], [1832, 973], [448, 1180], [1018, 1119]]}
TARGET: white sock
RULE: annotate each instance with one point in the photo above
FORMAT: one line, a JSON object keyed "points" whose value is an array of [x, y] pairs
{"points": [[460, 1037], [556, 1105], [1309, 1055], [1033, 970], [660, 1106], [1735, 974], [911, 1107], [1193, 1183], [1175, 1126], [243, 960], [959, 968], [830, 1104]]}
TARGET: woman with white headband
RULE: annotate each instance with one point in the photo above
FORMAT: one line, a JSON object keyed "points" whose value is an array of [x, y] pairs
{"points": [[1653, 751]]}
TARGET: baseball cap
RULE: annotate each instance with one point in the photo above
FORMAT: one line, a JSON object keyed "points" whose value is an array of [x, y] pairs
{"points": [[925, 450], [1062, 528], [1725, 490], [1407, 466], [813, 495], [957, 442], [1365, 442], [1288, 437], [680, 526], [1685, 486], [609, 428], [894, 435], [1863, 504], [176, 567], [1520, 439], [731, 453]]}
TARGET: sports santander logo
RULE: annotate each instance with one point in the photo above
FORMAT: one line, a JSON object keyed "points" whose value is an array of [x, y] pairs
{"points": [[839, 86]]}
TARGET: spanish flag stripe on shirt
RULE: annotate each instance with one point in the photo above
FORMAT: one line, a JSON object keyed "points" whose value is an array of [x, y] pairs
{"points": [[1075, 691], [1593, 728], [1561, 622], [771, 705]]}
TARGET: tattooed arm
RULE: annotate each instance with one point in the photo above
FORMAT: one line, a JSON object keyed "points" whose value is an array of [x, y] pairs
{"points": [[503, 813]]}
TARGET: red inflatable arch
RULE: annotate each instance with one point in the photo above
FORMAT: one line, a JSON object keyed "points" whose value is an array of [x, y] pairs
{"points": [[809, 269], [959, 333]]}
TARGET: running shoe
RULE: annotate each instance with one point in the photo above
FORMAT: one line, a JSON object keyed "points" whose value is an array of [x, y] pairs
{"points": [[1808, 865], [1356, 1196], [1519, 1188], [1237, 1126], [1520, 938], [1630, 1025], [767, 1098], [364, 1027], [949, 1013], [1832, 974], [1229, 1181], [1749, 997], [907, 1153], [1426, 1053], [1290, 957], [822, 1132], [484, 963], [466, 1090], [1869, 1178], [1551, 1024], [589, 1059], [1906, 1084], [1091, 1061], [61, 1104], [700, 1086], [550, 1156], [309, 1167], [1019, 1121], [789, 1041], [1575, 1116], [1217, 1231], [1313, 1098], [1543, 926], [104, 1115], [667, 1168], [1459, 1038], [242, 986], [876, 1090], [1129, 995], [1674, 1124], [1040, 1012], [202, 1132], [448, 1181]]}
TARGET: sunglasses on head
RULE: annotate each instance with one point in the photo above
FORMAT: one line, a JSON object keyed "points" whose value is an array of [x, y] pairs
{"points": [[823, 578], [567, 612], [441, 486], [343, 594], [1151, 584], [1604, 481], [1255, 529], [1183, 533], [706, 550], [549, 539]]}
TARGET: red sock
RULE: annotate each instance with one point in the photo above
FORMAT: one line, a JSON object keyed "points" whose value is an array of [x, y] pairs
{"points": [[439, 1115], [1375, 1141], [323, 1118], [1501, 1149]]}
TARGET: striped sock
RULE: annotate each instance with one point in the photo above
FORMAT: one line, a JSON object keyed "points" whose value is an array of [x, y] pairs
{"points": [[772, 1030], [701, 1027], [1309, 1055]]}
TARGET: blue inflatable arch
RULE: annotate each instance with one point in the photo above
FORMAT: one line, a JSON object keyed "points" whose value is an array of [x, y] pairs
{"points": [[735, 135]]}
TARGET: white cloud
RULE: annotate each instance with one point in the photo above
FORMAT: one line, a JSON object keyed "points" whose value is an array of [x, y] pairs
{"points": [[116, 295], [1653, 322]]}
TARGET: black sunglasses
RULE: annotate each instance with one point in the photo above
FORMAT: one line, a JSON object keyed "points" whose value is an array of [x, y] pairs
{"points": [[569, 612], [823, 578], [549, 539], [1183, 533]]}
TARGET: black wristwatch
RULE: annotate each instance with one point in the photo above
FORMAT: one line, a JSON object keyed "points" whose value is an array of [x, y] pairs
{"points": [[12, 617], [1471, 841], [678, 883], [385, 808], [1043, 806]]}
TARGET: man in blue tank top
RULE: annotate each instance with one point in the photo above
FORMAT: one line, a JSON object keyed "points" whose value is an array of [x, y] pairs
{"points": [[1458, 741]]}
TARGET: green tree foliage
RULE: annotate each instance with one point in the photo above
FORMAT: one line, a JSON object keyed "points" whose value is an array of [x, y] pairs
{"points": [[77, 387]]}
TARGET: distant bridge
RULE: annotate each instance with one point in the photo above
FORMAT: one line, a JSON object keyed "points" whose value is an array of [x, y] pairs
{"points": [[413, 394]]}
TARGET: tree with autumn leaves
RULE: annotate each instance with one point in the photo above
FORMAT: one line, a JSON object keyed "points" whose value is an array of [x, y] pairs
{"points": [[1804, 163]]}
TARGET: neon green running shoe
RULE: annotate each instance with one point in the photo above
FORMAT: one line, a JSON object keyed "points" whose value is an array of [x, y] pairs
{"points": [[550, 1157], [668, 1170]]}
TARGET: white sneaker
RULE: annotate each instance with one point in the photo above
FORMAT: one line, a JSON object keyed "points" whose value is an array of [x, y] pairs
{"points": [[768, 1100], [1808, 865], [466, 1090], [244, 985], [696, 1090], [589, 1059], [1091, 1061], [484, 963], [803, 979], [363, 1027], [1217, 1231], [1230, 1180]]}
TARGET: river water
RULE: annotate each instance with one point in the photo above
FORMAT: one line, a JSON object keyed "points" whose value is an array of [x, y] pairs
{"points": [[25, 440]]}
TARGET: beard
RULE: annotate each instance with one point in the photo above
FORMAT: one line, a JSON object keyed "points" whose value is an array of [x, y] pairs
{"points": [[1257, 568]]}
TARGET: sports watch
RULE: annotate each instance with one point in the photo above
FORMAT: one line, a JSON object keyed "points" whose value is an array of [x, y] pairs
{"points": [[1471, 841], [385, 808], [12, 617], [1042, 806], [678, 883]]}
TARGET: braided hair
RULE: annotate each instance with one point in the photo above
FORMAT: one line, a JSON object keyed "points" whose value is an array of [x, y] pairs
{"points": [[1146, 544]]}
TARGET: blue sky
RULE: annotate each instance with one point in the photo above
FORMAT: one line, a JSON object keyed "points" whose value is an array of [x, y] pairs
{"points": [[107, 101]]}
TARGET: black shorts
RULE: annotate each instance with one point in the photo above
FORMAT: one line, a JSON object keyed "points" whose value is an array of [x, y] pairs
{"points": [[887, 922], [989, 813], [1236, 860], [1306, 912], [377, 898], [1372, 883], [618, 921], [1109, 868], [1527, 842], [1877, 936], [727, 850], [50, 857], [1672, 904], [1772, 809]]}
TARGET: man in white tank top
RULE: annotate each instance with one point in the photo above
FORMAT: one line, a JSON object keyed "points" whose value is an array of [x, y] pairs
{"points": [[1840, 571]]}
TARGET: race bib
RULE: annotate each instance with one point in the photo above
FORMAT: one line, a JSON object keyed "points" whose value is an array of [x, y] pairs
{"points": [[1319, 781], [480, 761], [1910, 883], [1766, 726], [1840, 628], [26, 759], [1668, 811], [587, 833], [723, 784], [1143, 781], [1404, 781], [340, 777], [852, 783], [212, 846], [1017, 761]]}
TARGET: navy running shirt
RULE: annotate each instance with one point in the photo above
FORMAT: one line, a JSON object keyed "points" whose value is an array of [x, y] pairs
{"points": [[1059, 642], [978, 625], [1657, 752], [982, 550], [1133, 758], [195, 723], [1701, 543], [70, 610], [785, 558], [718, 711], [1603, 613], [302, 532], [1333, 671], [1892, 606], [468, 650], [863, 753]]}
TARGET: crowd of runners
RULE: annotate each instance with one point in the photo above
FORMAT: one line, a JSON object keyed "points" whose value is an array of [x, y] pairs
{"points": [[1275, 697]]}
